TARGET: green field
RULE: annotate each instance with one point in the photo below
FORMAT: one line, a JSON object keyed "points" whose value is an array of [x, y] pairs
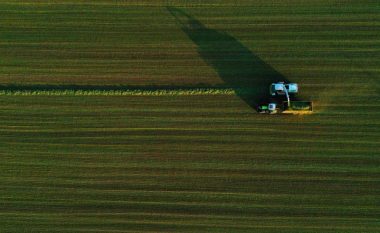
{"points": [[129, 116]]}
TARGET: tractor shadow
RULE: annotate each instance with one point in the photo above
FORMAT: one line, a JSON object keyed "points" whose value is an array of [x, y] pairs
{"points": [[235, 64]]}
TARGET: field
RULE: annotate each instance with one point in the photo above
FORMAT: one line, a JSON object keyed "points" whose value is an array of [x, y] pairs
{"points": [[132, 116]]}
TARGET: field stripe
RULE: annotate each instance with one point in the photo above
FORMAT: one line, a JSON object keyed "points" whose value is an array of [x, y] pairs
{"points": [[126, 92]]}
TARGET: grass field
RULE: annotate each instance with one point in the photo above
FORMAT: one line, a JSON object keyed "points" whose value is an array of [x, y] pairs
{"points": [[187, 164], [129, 116]]}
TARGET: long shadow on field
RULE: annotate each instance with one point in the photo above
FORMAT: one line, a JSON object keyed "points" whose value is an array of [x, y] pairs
{"points": [[236, 65]]}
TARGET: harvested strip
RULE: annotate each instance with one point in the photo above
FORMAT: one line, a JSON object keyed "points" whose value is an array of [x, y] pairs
{"points": [[127, 92]]}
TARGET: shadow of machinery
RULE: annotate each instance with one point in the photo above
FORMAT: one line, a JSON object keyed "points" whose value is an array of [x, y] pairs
{"points": [[235, 64]]}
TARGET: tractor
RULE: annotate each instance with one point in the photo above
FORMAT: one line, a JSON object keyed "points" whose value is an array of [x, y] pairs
{"points": [[278, 105]]}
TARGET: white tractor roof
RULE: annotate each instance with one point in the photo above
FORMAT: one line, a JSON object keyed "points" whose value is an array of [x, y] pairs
{"points": [[292, 87], [279, 86]]}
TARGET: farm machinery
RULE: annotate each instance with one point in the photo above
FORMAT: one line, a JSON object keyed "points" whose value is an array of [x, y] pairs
{"points": [[277, 104]]}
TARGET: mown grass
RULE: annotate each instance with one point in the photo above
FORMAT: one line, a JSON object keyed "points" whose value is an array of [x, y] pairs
{"points": [[126, 92], [94, 160], [184, 164]]}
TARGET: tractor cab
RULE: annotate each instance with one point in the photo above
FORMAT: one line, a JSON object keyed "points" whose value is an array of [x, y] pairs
{"points": [[281, 88], [270, 108]]}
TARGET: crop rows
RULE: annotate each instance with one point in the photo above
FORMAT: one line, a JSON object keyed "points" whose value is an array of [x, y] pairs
{"points": [[184, 164], [136, 116]]}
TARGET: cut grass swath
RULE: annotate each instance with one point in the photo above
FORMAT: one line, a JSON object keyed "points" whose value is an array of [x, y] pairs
{"points": [[138, 92]]}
